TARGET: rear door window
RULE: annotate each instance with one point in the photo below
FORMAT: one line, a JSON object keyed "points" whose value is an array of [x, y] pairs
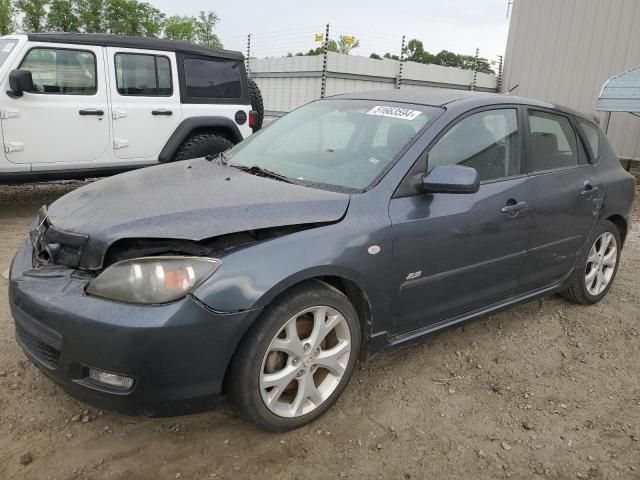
{"points": [[553, 142], [212, 78], [143, 75]]}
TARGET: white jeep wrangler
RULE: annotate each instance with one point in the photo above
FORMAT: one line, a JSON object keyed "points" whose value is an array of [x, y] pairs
{"points": [[85, 105]]}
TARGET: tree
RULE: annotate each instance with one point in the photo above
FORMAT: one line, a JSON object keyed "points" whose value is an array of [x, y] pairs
{"points": [[391, 57], [34, 14], [91, 15], [346, 43], [151, 20], [375, 56], [62, 17], [180, 28], [332, 46], [205, 25], [7, 23]]}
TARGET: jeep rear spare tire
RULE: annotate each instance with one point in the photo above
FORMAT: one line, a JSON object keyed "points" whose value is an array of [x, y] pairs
{"points": [[255, 97]]}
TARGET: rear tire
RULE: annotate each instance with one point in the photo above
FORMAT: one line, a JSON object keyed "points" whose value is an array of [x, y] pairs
{"points": [[290, 368], [257, 105], [202, 145], [597, 266]]}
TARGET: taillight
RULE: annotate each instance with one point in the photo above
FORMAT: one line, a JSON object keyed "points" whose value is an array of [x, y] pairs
{"points": [[252, 118]]}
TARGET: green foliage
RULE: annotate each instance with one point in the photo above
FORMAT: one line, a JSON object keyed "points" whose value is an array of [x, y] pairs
{"points": [[414, 52], [346, 43], [375, 56], [7, 23], [205, 26], [34, 14], [91, 15], [62, 17], [180, 28], [121, 17]]}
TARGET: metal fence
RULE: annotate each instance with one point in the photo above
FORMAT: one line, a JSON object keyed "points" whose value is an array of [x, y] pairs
{"points": [[288, 77]]}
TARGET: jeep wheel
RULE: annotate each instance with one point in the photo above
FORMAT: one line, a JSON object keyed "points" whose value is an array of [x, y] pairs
{"points": [[257, 105], [201, 145]]}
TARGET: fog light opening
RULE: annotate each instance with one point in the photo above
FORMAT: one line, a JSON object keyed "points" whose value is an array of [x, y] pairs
{"points": [[113, 380]]}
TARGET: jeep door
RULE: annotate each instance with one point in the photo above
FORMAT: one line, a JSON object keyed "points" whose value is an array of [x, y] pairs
{"points": [[457, 252], [63, 121], [145, 101]]}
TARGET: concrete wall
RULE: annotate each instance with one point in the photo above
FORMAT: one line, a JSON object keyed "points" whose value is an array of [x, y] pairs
{"points": [[287, 83], [564, 51]]}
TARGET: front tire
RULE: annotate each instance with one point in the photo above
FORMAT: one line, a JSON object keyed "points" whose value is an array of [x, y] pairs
{"points": [[597, 266], [296, 361]]}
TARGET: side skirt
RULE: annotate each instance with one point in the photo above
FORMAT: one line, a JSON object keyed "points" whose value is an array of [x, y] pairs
{"points": [[417, 334]]}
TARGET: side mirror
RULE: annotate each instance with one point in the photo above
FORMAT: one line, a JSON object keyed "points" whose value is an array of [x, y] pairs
{"points": [[451, 179], [20, 81]]}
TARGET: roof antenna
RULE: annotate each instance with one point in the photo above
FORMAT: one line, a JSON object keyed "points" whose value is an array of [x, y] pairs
{"points": [[513, 88]]}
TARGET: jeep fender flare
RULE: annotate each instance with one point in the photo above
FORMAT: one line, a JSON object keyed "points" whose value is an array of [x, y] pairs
{"points": [[189, 125]]}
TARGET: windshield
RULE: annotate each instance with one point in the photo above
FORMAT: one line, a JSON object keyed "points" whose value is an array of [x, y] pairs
{"points": [[6, 47], [337, 144]]}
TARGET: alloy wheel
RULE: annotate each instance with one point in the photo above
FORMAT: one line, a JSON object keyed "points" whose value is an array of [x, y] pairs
{"points": [[601, 263], [305, 362]]}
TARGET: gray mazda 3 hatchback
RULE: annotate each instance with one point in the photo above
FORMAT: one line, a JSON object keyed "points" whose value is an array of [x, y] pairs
{"points": [[351, 225]]}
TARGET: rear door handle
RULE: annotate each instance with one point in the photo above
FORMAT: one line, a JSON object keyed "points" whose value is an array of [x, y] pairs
{"points": [[162, 112], [588, 190], [514, 207], [91, 111]]}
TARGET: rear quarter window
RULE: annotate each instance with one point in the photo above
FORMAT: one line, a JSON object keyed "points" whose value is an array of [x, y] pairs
{"points": [[592, 135], [212, 78]]}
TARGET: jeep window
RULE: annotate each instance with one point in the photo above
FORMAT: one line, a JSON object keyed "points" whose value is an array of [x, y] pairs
{"points": [[62, 71], [6, 47], [344, 145], [212, 78], [143, 75]]}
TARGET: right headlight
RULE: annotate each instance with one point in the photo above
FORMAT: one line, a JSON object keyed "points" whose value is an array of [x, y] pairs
{"points": [[152, 280]]}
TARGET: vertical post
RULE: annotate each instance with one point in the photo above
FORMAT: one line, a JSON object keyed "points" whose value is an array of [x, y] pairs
{"points": [[499, 80], [607, 122], [399, 77], [323, 88], [475, 70], [248, 66]]}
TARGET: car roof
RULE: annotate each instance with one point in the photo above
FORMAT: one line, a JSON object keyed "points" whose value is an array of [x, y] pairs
{"points": [[110, 40], [441, 97]]}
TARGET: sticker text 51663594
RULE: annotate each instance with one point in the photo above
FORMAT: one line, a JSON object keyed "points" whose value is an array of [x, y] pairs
{"points": [[394, 112]]}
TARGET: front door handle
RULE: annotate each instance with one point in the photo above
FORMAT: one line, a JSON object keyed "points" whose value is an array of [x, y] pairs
{"points": [[514, 207], [588, 190], [162, 111], [91, 111]]}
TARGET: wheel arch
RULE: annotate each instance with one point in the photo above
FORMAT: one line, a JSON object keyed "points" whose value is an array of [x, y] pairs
{"points": [[190, 126], [338, 280], [621, 224]]}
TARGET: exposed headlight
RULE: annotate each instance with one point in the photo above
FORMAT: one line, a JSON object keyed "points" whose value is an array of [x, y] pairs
{"points": [[151, 280]]}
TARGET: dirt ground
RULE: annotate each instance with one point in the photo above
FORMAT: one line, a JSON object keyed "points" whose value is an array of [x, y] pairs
{"points": [[548, 389]]}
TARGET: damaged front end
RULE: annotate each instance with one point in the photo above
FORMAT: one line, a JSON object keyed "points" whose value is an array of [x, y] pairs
{"points": [[55, 247]]}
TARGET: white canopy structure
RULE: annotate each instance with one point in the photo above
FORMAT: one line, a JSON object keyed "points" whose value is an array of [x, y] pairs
{"points": [[620, 94]]}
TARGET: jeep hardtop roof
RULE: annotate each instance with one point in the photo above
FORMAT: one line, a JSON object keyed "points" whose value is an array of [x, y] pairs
{"points": [[110, 40]]}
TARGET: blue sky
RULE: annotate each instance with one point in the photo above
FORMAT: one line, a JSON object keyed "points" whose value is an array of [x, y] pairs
{"points": [[282, 26]]}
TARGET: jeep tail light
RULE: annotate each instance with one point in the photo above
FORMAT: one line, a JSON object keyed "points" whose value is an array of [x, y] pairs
{"points": [[252, 118]]}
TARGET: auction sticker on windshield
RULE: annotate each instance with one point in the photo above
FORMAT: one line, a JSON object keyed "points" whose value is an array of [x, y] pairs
{"points": [[394, 112]]}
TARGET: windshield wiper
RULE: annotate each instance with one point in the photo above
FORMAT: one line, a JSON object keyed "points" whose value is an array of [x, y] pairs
{"points": [[262, 172]]}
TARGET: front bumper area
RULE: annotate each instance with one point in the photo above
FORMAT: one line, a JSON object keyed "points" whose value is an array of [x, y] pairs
{"points": [[177, 353]]}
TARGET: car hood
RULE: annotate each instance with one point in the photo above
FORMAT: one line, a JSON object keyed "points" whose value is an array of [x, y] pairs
{"points": [[191, 200]]}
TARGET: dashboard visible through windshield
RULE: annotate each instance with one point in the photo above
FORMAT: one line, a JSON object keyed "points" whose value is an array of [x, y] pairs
{"points": [[337, 144]]}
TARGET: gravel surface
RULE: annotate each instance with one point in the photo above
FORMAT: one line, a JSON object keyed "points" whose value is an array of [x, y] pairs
{"points": [[544, 390]]}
